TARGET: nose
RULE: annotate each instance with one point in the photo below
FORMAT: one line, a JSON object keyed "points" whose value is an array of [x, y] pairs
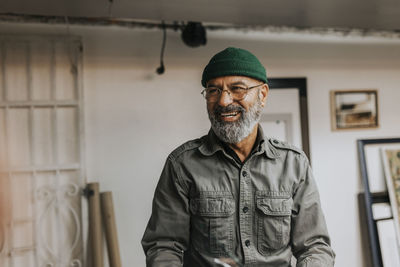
{"points": [[225, 98]]}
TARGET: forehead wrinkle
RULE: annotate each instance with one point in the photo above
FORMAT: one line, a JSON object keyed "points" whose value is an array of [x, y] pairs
{"points": [[238, 83], [228, 83]]}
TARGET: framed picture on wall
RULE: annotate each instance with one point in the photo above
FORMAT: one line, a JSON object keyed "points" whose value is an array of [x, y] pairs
{"points": [[391, 164], [354, 109]]}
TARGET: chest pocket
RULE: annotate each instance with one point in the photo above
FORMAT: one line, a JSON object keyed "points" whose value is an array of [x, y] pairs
{"points": [[274, 211], [212, 222]]}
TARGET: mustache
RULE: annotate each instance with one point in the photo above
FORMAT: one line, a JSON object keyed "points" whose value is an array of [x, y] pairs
{"points": [[230, 108]]}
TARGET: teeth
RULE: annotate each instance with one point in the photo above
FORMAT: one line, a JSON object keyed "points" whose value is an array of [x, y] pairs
{"points": [[231, 114]]}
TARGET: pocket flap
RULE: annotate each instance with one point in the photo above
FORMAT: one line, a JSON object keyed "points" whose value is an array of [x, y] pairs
{"points": [[275, 206], [214, 206]]}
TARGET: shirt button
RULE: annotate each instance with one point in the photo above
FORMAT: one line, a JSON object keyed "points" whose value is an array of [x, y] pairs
{"points": [[245, 209], [244, 173], [247, 243]]}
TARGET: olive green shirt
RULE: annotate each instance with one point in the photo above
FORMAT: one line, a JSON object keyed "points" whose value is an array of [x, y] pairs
{"points": [[209, 206]]}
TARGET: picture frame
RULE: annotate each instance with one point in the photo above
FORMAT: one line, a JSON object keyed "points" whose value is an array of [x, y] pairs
{"points": [[391, 164], [354, 109], [369, 153]]}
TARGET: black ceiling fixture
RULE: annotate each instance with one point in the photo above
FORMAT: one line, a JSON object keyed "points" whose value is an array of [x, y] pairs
{"points": [[194, 34], [161, 69]]}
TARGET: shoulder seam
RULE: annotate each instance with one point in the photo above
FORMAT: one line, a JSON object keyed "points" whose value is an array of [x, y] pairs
{"points": [[189, 145], [284, 145]]}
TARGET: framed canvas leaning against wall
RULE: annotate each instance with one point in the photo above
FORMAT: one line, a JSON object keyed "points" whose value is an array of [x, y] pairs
{"points": [[376, 217], [391, 163]]}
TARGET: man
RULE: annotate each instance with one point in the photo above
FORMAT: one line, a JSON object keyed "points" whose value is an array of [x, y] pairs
{"points": [[234, 197]]}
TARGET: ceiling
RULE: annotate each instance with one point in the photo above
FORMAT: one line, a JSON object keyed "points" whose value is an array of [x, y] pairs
{"points": [[381, 15]]}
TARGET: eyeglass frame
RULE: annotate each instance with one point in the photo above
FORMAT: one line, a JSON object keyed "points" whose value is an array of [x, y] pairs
{"points": [[203, 92]]}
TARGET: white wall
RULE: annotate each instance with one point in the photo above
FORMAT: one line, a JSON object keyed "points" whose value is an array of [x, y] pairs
{"points": [[134, 117]]}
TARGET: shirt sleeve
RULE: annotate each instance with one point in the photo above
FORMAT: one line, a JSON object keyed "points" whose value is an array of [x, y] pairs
{"points": [[309, 235], [168, 231]]}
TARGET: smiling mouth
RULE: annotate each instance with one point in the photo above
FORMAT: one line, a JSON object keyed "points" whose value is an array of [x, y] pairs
{"points": [[229, 114]]}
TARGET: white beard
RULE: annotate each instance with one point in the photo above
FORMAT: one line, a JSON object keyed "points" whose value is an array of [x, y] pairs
{"points": [[234, 132]]}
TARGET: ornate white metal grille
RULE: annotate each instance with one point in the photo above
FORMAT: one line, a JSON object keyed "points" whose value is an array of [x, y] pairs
{"points": [[41, 152]]}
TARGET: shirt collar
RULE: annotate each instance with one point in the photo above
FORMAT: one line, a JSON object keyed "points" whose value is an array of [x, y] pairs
{"points": [[212, 144]]}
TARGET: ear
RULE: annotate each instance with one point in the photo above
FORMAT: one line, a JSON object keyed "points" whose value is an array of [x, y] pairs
{"points": [[263, 94]]}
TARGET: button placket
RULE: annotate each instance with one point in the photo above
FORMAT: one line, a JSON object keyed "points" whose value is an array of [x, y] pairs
{"points": [[246, 214]]}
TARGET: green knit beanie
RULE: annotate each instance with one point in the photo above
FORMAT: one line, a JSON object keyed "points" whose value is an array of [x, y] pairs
{"points": [[234, 61]]}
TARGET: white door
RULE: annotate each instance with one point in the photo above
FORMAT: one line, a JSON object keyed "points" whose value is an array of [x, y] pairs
{"points": [[41, 163]]}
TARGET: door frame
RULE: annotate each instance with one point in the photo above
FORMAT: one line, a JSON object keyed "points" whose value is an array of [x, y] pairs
{"points": [[301, 85]]}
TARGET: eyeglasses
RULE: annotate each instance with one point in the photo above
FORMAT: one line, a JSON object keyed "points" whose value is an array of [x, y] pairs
{"points": [[236, 92]]}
